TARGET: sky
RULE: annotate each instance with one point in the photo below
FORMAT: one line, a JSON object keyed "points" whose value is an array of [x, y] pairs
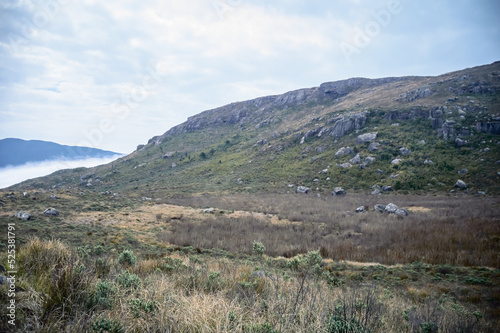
{"points": [[112, 74]]}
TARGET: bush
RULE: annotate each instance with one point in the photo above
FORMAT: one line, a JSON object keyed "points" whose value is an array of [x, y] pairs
{"points": [[137, 306], [127, 258], [103, 295], [103, 325], [258, 248], [128, 280]]}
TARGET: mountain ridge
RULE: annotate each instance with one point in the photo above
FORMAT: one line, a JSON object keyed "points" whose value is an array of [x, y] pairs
{"points": [[272, 142]]}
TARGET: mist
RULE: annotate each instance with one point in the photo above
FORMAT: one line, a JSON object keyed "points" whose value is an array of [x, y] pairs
{"points": [[12, 175]]}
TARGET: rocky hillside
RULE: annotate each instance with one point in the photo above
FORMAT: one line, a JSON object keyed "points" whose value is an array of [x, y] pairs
{"points": [[407, 134]]}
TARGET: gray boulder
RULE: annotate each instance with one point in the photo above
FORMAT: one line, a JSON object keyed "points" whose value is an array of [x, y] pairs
{"points": [[401, 212], [51, 212], [367, 137], [356, 159], [379, 208], [461, 184], [360, 209], [345, 165], [374, 146], [376, 192], [396, 161], [404, 151], [387, 188], [391, 208], [460, 142], [463, 172], [344, 151], [428, 162], [22, 215], [302, 190], [369, 160], [338, 191], [209, 210], [380, 171]]}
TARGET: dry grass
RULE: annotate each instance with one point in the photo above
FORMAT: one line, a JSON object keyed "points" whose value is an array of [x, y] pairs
{"points": [[439, 230]]}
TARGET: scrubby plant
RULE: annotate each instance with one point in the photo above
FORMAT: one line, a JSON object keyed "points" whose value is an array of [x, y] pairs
{"points": [[128, 280], [104, 294], [258, 248], [127, 258], [104, 325], [139, 306]]}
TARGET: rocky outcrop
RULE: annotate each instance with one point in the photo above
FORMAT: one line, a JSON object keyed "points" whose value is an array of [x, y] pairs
{"points": [[367, 137], [490, 127]]}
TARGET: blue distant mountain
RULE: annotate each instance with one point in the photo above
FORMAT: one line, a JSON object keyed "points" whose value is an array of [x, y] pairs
{"points": [[17, 152]]}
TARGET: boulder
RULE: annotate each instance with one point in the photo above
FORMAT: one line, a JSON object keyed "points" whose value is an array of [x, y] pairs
{"points": [[360, 209], [345, 165], [404, 151], [51, 212], [401, 212], [387, 188], [22, 215], [396, 161], [344, 151], [369, 160], [356, 159], [168, 155], [367, 137], [374, 146], [380, 171], [391, 208], [460, 142], [379, 208], [463, 172], [338, 191], [376, 192], [427, 161], [461, 184], [302, 190], [209, 210]]}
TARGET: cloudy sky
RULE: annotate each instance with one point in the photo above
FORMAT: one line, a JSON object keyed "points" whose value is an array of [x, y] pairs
{"points": [[112, 74]]}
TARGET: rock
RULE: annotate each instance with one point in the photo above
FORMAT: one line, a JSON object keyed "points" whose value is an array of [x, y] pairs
{"points": [[374, 146], [316, 180], [460, 142], [463, 172], [404, 151], [387, 188], [51, 211], [146, 199], [379, 208], [345, 165], [174, 165], [356, 159], [140, 147], [264, 141], [26, 194], [376, 192], [360, 209], [396, 161], [375, 186], [401, 212], [421, 142], [168, 155], [22, 215], [324, 171], [369, 160], [395, 176], [380, 171], [328, 178], [489, 127], [367, 137], [427, 161], [54, 197], [240, 181], [209, 210], [461, 184], [346, 124], [481, 192], [344, 151], [302, 190], [391, 208], [338, 191]]}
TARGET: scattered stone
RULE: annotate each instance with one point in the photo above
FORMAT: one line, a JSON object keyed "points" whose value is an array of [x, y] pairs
{"points": [[356, 159], [427, 161], [168, 155], [344, 151], [463, 172], [380, 171], [481, 192], [360, 209], [26, 194], [209, 210], [461, 184], [460, 142], [146, 199], [379, 208], [324, 171], [338, 191], [54, 197], [174, 165], [51, 211], [240, 181], [291, 185], [374, 146], [316, 180], [345, 165], [387, 188], [376, 192], [22, 215], [401, 212], [421, 142], [404, 151], [302, 190], [396, 161], [391, 208], [369, 160], [395, 176], [367, 137], [328, 178]]}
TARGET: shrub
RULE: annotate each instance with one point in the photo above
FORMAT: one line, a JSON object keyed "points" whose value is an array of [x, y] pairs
{"points": [[128, 280], [103, 325], [103, 295], [258, 248], [137, 306], [127, 258]]}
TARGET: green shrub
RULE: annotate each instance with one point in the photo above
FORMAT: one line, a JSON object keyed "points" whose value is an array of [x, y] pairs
{"points": [[103, 325], [337, 324], [138, 306], [258, 248], [127, 258], [98, 250], [103, 295], [128, 280]]}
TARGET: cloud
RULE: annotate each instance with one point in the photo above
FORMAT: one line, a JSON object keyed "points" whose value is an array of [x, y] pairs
{"points": [[12, 175]]}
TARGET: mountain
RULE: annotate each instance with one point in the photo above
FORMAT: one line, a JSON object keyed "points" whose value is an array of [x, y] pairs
{"points": [[415, 134], [15, 152]]}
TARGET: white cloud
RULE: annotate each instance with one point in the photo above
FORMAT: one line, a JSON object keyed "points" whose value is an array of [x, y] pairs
{"points": [[12, 175]]}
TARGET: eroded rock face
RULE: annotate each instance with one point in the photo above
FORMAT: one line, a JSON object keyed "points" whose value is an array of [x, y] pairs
{"points": [[490, 127]]}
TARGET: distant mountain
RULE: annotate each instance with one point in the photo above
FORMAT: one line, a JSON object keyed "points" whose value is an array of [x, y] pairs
{"points": [[414, 134], [15, 152]]}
